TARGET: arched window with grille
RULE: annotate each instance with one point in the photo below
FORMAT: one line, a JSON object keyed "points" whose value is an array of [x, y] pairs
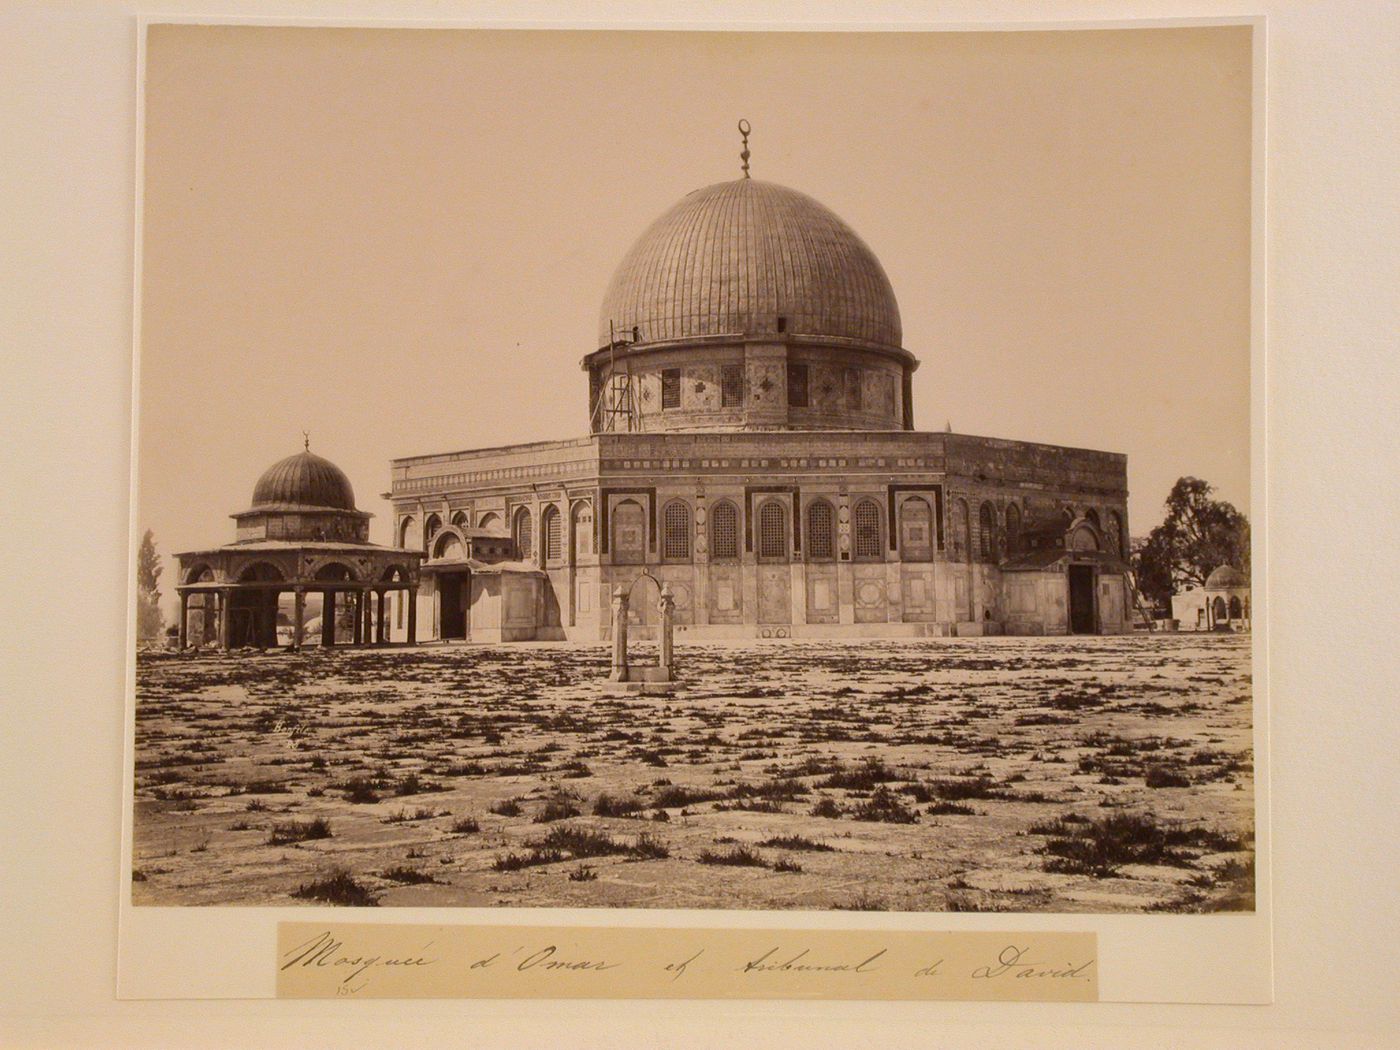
{"points": [[405, 529], [1115, 534], [773, 531], [724, 531], [915, 530], [865, 529], [459, 518], [629, 533], [676, 528], [1013, 529], [821, 531], [431, 526], [552, 529], [987, 531], [962, 531], [583, 530], [489, 520], [524, 533]]}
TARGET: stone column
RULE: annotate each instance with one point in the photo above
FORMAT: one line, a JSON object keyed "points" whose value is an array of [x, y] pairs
{"points": [[845, 571], [184, 619], [298, 618], [382, 631], [666, 605], [410, 594], [357, 626], [225, 604], [619, 633], [327, 618]]}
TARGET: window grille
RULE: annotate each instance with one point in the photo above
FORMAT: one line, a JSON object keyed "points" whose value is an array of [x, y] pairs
{"points": [[731, 386], [986, 525], [724, 531], [675, 542], [866, 520], [820, 529], [772, 530], [553, 535], [583, 530], [524, 533], [797, 385], [671, 388]]}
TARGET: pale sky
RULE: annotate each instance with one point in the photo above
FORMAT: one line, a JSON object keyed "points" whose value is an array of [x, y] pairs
{"points": [[399, 239]]}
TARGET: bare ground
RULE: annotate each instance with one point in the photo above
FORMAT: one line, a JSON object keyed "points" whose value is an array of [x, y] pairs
{"points": [[995, 774]]}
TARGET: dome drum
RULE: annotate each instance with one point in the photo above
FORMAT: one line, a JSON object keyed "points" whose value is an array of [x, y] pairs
{"points": [[750, 305], [797, 385]]}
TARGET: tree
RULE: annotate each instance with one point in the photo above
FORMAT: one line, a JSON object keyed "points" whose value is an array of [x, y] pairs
{"points": [[1198, 535], [150, 621]]}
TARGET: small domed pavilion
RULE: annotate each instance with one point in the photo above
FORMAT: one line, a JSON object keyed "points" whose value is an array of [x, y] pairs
{"points": [[1227, 599], [302, 534]]}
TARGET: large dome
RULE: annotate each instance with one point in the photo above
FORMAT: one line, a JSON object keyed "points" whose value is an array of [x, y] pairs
{"points": [[736, 257], [304, 481]]}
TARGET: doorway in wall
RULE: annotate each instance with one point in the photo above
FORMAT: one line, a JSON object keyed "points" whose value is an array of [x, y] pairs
{"points": [[454, 588], [1081, 600]]}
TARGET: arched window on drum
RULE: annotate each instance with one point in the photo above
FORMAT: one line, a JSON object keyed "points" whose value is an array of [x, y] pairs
{"points": [[724, 531], [629, 533], [915, 530], [552, 529], [583, 530], [821, 531], [987, 532], [1115, 534], [962, 531], [676, 529], [1013, 529], [866, 542], [523, 532], [773, 542]]}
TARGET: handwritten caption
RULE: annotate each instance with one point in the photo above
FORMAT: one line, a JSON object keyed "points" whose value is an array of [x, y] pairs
{"points": [[391, 960]]}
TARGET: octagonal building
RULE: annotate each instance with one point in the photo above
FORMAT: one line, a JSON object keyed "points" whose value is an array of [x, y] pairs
{"points": [[753, 447]]}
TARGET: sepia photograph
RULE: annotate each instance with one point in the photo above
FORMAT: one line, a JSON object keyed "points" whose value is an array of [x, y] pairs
{"points": [[764, 471]]}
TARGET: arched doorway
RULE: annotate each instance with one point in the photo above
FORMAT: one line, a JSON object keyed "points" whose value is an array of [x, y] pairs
{"points": [[774, 552], [253, 607], [453, 588]]}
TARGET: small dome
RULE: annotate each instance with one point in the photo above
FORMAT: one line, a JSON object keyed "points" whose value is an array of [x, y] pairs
{"points": [[1225, 577], [736, 257], [304, 480]]}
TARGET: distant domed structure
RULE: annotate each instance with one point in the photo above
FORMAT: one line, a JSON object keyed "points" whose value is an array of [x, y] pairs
{"points": [[303, 481], [1225, 577], [302, 535]]}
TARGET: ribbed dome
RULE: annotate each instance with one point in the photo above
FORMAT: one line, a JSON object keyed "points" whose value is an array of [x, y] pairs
{"points": [[1226, 576], [735, 257], [304, 480]]}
